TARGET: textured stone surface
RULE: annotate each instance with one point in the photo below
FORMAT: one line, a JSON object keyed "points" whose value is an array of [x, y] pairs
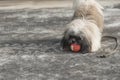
{"points": [[30, 49]]}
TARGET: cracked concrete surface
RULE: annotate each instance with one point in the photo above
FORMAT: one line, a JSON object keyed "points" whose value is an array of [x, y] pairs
{"points": [[30, 49]]}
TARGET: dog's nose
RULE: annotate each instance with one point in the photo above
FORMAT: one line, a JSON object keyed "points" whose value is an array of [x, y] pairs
{"points": [[73, 41]]}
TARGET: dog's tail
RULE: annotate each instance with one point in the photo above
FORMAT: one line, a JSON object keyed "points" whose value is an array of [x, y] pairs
{"points": [[84, 4]]}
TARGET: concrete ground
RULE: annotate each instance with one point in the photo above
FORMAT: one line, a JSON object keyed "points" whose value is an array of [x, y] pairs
{"points": [[30, 47]]}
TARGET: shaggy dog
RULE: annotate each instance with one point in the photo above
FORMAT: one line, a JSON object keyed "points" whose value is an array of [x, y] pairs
{"points": [[86, 26]]}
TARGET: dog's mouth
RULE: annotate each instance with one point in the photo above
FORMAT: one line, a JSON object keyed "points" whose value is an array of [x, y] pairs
{"points": [[74, 45]]}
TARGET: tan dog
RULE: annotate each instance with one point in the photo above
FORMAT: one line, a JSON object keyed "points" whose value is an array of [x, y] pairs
{"points": [[86, 27]]}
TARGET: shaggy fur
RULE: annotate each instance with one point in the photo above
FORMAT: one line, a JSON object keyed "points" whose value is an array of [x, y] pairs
{"points": [[86, 27]]}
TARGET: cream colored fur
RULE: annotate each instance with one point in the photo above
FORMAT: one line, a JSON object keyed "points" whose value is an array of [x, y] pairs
{"points": [[88, 19]]}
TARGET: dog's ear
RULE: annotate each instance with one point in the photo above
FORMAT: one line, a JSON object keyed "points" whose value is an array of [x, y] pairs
{"points": [[86, 46], [64, 42], [64, 39]]}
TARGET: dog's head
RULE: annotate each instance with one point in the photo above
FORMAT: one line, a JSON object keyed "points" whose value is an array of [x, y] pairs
{"points": [[71, 38]]}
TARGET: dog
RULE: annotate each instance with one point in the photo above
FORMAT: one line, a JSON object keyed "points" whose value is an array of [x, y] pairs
{"points": [[86, 26]]}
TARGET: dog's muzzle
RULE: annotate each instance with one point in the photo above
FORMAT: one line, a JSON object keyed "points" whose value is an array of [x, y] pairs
{"points": [[66, 43]]}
